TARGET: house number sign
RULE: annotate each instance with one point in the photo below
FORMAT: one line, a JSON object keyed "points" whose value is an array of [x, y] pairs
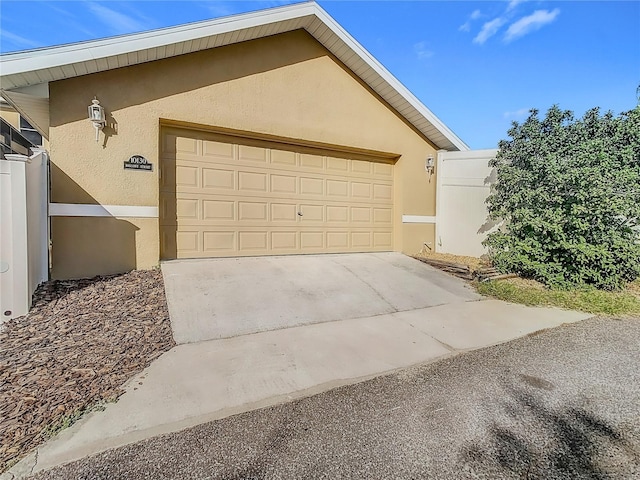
{"points": [[138, 162]]}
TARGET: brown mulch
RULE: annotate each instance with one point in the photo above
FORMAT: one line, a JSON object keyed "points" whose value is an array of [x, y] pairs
{"points": [[75, 349]]}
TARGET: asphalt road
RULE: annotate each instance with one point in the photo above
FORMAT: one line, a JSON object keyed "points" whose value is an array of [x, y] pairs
{"points": [[561, 404]]}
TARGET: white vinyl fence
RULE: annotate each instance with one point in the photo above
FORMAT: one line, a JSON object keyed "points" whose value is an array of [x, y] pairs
{"points": [[464, 183], [24, 231]]}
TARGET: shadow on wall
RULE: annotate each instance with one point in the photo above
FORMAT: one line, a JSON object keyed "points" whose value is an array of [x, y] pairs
{"points": [[168, 218], [163, 78], [568, 442], [83, 247], [490, 224], [110, 129]]}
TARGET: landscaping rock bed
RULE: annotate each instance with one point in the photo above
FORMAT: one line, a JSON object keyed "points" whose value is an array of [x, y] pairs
{"points": [[75, 349]]}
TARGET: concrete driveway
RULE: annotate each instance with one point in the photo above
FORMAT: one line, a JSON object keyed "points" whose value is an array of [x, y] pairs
{"points": [[226, 297], [561, 404], [349, 318]]}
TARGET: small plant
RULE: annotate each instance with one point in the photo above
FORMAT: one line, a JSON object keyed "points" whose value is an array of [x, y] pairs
{"points": [[568, 196], [68, 420]]}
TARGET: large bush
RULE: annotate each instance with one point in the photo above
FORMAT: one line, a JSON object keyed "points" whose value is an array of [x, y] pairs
{"points": [[568, 197]]}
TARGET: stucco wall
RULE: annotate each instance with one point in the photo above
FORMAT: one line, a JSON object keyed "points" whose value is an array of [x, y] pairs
{"points": [[286, 85]]}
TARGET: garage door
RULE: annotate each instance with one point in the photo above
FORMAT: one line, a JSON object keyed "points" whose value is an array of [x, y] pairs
{"points": [[229, 196]]}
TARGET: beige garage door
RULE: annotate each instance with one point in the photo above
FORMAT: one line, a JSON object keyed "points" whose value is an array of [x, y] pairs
{"points": [[226, 196]]}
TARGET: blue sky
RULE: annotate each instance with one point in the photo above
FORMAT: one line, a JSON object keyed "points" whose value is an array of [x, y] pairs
{"points": [[478, 65]]}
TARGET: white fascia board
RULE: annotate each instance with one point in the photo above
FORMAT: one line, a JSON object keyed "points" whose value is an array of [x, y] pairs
{"points": [[92, 50], [389, 78]]}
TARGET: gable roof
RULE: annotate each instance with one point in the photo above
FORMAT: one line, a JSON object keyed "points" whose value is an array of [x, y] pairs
{"points": [[23, 72]]}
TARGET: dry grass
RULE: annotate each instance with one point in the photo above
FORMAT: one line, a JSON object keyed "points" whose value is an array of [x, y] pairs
{"points": [[473, 263], [533, 293], [634, 288], [624, 303]]}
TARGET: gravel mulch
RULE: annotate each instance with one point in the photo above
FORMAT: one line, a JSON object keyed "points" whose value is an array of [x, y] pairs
{"points": [[74, 350]]}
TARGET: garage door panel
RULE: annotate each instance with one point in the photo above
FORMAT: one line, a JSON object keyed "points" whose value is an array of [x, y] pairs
{"points": [[311, 186], [361, 190], [220, 151], [218, 210], [337, 214], [250, 242], [311, 213], [173, 143], [252, 154], [252, 211], [215, 178], [312, 162], [338, 166], [187, 241], [361, 239], [284, 212], [312, 240], [382, 216], [187, 176], [337, 188], [382, 192], [338, 240], [287, 241], [219, 242], [283, 158], [361, 166], [186, 145], [226, 198], [284, 184], [361, 214], [252, 181], [383, 170], [382, 240], [187, 208]]}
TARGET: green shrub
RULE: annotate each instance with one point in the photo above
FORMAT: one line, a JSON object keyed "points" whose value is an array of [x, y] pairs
{"points": [[568, 197]]}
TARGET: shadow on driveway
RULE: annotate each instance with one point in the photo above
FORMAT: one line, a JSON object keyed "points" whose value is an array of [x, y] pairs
{"points": [[570, 443]]}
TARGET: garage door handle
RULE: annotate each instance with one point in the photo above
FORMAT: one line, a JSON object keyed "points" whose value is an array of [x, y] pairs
{"points": [[300, 214]]}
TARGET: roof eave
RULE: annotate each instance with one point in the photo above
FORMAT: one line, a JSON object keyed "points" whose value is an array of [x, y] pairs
{"points": [[55, 63]]}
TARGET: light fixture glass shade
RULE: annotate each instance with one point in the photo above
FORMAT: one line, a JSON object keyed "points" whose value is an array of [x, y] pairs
{"points": [[96, 112]]}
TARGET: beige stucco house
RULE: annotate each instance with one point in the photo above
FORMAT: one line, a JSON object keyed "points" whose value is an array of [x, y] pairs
{"points": [[265, 133]]}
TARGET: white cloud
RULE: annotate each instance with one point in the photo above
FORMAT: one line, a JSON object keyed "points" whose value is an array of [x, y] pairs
{"points": [[422, 51], [514, 3], [277, 3], [516, 113], [219, 9], [466, 26], [19, 40], [116, 21], [530, 23], [223, 8], [489, 29], [72, 20]]}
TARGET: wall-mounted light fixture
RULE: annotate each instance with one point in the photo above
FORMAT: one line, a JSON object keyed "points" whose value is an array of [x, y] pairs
{"points": [[96, 115], [429, 165]]}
